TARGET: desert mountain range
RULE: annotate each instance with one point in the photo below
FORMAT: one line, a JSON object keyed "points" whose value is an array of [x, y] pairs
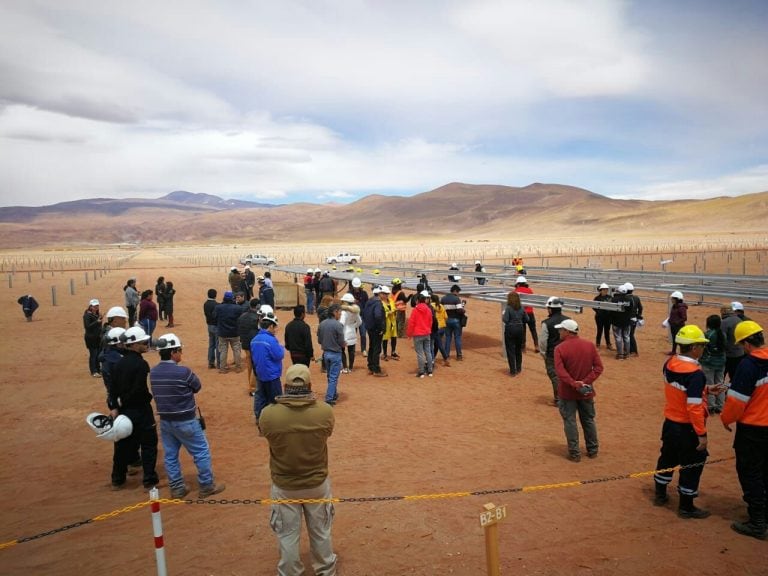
{"points": [[455, 211]]}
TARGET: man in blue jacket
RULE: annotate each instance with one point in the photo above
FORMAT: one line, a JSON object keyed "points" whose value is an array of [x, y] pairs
{"points": [[267, 357], [226, 315]]}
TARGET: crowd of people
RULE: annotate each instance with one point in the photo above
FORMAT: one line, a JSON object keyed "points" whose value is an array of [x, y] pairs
{"points": [[352, 322]]}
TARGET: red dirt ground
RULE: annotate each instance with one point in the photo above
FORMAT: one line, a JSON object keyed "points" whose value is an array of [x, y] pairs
{"points": [[470, 428]]}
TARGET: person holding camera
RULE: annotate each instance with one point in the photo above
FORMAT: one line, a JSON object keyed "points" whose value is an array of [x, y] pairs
{"points": [[578, 365]]}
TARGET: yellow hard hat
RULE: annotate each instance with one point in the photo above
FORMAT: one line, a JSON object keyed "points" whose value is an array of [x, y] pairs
{"points": [[690, 334], [745, 330], [376, 271], [396, 281]]}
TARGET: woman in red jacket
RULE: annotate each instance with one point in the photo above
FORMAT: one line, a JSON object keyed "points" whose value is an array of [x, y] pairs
{"points": [[419, 328]]}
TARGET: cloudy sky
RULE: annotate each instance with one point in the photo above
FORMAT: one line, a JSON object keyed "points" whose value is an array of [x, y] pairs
{"points": [[284, 101]]}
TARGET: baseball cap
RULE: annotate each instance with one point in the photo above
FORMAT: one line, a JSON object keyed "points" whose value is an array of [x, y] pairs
{"points": [[228, 294], [569, 325], [297, 376]]}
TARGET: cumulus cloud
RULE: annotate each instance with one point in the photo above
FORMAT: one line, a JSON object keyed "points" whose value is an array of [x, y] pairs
{"points": [[292, 100]]}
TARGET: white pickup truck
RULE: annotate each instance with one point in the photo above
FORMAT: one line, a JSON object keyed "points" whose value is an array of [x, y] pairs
{"points": [[343, 258]]}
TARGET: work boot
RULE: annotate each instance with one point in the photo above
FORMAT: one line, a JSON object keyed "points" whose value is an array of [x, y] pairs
{"points": [[210, 490], [688, 511], [751, 529], [179, 492], [661, 497]]}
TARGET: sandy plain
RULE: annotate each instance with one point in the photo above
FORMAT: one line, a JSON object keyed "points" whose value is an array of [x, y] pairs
{"points": [[470, 428]]}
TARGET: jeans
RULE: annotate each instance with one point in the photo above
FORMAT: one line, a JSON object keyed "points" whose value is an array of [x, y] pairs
{"points": [[224, 344], [214, 357], [514, 340], [93, 360], [679, 442], [285, 520], [143, 439], [148, 325], [621, 336], [363, 339], [453, 332], [374, 352], [266, 392], [333, 362], [586, 410], [310, 296], [424, 360], [438, 344], [715, 377], [189, 434]]}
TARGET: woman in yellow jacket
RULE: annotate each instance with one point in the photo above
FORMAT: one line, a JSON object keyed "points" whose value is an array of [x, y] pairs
{"points": [[438, 337], [390, 325]]}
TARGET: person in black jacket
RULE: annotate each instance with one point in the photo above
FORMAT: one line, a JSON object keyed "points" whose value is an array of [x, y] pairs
{"points": [[636, 320], [226, 315], [92, 336], [247, 328], [621, 320], [603, 317], [549, 339], [129, 394], [373, 318], [28, 306], [298, 338], [210, 320]]}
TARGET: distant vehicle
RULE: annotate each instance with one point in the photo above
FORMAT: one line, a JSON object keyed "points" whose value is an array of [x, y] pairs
{"points": [[343, 258], [257, 259]]}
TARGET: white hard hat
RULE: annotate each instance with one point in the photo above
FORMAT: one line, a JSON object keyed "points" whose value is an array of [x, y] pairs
{"points": [[234, 268], [385, 290], [348, 298], [113, 336], [317, 270], [521, 280], [356, 282], [629, 286], [554, 302], [737, 306], [168, 342], [478, 262], [134, 335], [622, 289], [116, 312], [94, 302], [425, 293], [270, 317], [266, 309], [376, 289], [454, 265], [676, 294], [603, 286], [310, 270], [456, 278], [108, 429]]}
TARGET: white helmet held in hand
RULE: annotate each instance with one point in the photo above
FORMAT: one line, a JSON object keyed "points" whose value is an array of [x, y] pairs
{"points": [[108, 429]]}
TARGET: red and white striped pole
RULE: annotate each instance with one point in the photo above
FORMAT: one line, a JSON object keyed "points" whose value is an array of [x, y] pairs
{"points": [[157, 528]]}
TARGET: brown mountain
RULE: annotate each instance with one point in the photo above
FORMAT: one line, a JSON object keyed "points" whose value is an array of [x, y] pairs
{"points": [[456, 211]]}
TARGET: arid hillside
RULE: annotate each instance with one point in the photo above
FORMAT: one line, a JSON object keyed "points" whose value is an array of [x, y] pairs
{"points": [[451, 211]]}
